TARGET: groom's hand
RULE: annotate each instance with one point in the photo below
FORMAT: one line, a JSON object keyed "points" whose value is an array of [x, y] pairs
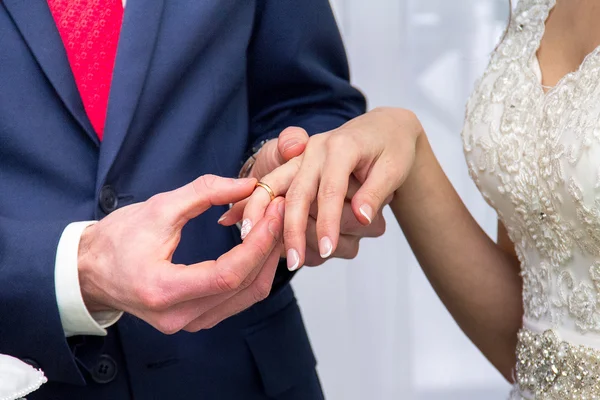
{"points": [[286, 149], [290, 143], [125, 260]]}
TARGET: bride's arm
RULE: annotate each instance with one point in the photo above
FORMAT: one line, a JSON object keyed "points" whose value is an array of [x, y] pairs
{"points": [[475, 278], [386, 149]]}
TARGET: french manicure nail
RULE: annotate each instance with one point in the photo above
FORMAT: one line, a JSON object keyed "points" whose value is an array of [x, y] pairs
{"points": [[367, 212], [223, 217], [325, 247], [293, 260], [246, 228]]}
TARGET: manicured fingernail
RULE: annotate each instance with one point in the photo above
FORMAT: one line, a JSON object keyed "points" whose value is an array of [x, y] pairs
{"points": [[246, 228], [293, 260], [325, 247], [243, 181], [367, 212], [223, 217], [290, 144], [281, 208]]}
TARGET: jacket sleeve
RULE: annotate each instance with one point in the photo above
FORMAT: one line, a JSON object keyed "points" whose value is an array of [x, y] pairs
{"points": [[298, 76], [30, 324], [298, 71]]}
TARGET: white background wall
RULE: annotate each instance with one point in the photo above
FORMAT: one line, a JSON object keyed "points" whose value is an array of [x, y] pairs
{"points": [[378, 329]]}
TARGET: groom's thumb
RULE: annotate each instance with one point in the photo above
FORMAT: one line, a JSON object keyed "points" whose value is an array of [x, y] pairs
{"points": [[189, 201], [292, 142]]}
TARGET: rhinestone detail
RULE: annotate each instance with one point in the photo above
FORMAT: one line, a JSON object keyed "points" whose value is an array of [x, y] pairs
{"points": [[552, 369]]}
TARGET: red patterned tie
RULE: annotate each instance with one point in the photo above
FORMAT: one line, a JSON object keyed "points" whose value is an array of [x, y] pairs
{"points": [[90, 33]]}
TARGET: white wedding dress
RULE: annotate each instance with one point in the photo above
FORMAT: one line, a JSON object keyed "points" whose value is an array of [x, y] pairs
{"points": [[535, 157]]}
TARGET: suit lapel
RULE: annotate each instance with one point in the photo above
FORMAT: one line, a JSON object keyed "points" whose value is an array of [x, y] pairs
{"points": [[141, 23], [35, 22]]}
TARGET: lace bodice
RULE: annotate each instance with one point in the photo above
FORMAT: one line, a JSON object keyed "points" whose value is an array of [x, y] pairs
{"points": [[535, 157]]}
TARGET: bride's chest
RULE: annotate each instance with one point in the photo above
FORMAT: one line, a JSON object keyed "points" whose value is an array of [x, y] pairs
{"points": [[535, 156]]}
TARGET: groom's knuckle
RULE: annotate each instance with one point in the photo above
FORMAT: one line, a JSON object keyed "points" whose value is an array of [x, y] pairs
{"points": [[157, 204], [261, 290], [155, 302], [201, 323], [228, 280], [168, 325], [192, 328], [257, 253], [204, 184], [150, 296], [246, 283], [214, 321]]}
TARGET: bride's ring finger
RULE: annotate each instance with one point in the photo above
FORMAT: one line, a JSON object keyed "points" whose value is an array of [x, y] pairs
{"points": [[267, 188], [272, 185]]}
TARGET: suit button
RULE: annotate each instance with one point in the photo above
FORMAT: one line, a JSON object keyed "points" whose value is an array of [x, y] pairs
{"points": [[105, 370], [108, 199], [31, 362]]}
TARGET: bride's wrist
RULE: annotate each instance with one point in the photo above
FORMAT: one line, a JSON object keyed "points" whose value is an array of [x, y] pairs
{"points": [[423, 153]]}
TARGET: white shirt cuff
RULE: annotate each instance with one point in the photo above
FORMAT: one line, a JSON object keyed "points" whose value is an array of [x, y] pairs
{"points": [[74, 315]]}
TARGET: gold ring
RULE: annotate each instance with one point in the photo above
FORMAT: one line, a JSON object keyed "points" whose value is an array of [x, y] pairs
{"points": [[267, 188]]}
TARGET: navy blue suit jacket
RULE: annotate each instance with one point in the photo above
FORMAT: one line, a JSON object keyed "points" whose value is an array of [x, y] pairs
{"points": [[196, 85]]}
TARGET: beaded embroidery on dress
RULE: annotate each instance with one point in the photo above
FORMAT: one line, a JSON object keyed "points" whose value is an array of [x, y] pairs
{"points": [[535, 157]]}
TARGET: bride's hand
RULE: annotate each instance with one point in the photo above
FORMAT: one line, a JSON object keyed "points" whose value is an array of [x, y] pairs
{"points": [[376, 149]]}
